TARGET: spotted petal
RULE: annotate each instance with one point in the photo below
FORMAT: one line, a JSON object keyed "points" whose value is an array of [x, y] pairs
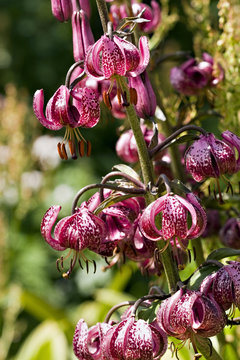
{"points": [[144, 57], [86, 101], [38, 103]]}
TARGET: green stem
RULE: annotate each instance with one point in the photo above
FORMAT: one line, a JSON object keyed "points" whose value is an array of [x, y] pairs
{"points": [[103, 13], [144, 159]]}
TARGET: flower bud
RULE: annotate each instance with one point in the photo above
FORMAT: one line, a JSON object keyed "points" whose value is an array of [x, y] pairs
{"points": [[62, 9], [230, 233], [82, 35]]}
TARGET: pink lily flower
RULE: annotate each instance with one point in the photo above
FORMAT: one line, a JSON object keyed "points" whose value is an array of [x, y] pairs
{"points": [[190, 312], [118, 57], [210, 157], [77, 232], [174, 211], [84, 112]]}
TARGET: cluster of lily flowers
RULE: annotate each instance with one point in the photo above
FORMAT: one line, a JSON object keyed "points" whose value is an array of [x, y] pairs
{"points": [[187, 314], [128, 228]]}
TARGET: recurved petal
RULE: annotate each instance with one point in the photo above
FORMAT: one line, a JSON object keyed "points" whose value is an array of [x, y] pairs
{"points": [[46, 227], [59, 109], [233, 270], [80, 341], [234, 141], [159, 340], [144, 57], [208, 317], [92, 61], [201, 219], [38, 103], [174, 218], [95, 338], [147, 220]]}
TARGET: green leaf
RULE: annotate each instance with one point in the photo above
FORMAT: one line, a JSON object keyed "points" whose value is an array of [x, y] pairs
{"points": [[127, 170], [223, 253], [46, 342], [149, 314], [200, 274], [111, 200]]}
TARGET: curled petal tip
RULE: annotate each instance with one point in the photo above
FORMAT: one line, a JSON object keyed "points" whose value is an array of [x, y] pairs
{"points": [[47, 224]]}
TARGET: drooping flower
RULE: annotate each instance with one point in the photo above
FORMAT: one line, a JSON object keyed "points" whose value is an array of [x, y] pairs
{"points": [[192, 76], [230, 233], [84, 112], [134, 340], [110, 57], [152, 14], [126, 146], [62, 9], [174, 225], [82, 35], [87, 343], [224, 285], [210, 157], [187, 313], [79, 231], [146, 98]]}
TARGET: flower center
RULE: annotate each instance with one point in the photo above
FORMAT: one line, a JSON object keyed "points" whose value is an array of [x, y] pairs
{"points": [[75, 141]]}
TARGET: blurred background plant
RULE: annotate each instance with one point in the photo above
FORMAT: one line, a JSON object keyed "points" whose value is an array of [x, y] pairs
{"points": [[39, 309]]}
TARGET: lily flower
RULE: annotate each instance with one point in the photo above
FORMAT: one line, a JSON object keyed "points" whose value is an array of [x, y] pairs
{"points": [[84, 112], [110, 58], [77, 232], [224, 285], [174, 210], [87, 343], [211, 157], [131, 339], [187, 313]]}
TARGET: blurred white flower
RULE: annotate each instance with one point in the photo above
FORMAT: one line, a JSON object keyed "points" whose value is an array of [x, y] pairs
{"points": [[10, 195], [5, 154], [63, 194], [32, 180], [45, 151]]}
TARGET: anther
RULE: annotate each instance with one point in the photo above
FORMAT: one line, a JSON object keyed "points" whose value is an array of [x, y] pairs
{"points": [[72, 149], [61, 259], [194, 253], [64, 152], [89, 148], [87, 267], [119, 96], [60, 151], [94, 267], [57, 265], [133, 96], [107, 100], [80, 264], [189, 256], [81, 148]]}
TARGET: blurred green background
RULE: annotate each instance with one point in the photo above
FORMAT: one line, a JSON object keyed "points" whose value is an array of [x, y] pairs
{"points": [[39, 309]]}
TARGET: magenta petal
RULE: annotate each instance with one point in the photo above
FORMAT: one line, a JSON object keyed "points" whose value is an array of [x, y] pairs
{"points": [[201, 217], [234, 141], [38, 103], [147, 220], [59, 109], [144, 57], [46, 227], [92, 61], [80, 341], [95, 338], [139, 341], [159, 340], [113, 57], [156, 15], [87, 104]]}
